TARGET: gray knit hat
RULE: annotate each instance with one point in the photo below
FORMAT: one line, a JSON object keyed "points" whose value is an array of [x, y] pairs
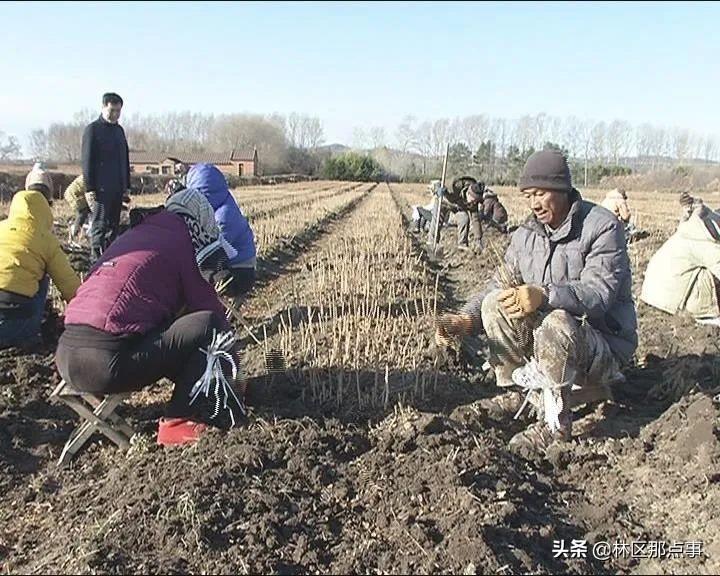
{"points": [[546, 169], [38, 177]]}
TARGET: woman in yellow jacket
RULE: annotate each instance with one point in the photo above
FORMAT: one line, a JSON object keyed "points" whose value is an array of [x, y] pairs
{"points": [[29, 256]]}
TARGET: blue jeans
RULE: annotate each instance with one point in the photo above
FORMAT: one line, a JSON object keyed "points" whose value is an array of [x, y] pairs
{"points": [[15, 331]]}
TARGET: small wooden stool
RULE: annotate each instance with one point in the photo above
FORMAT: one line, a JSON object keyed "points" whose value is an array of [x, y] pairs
{"points": [[97, 413]]}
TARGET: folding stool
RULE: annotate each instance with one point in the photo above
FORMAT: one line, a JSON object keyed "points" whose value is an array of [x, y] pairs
{"points": [[97, 413]]}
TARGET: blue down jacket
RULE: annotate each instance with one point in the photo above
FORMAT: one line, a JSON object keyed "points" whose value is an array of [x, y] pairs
{"points": [[234, 227]]}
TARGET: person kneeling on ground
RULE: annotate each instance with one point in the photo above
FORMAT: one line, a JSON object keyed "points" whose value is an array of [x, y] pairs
{"points": [[684, 274], [29, 256], [463, 202], [238, 237], [422, 215], [493, 212], [145, 312], [468, 215], [616, 202], [571, 312], [75, 196]]}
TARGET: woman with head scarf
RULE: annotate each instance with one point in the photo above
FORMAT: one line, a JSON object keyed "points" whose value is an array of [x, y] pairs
{"points": [[237, 235], [145, 312]]}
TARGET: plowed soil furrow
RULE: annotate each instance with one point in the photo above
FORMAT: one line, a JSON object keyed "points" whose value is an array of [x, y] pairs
{"points": [[372, 452]]}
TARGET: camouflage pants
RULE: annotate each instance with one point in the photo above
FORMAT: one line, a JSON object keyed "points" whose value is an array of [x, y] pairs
{"points": [[566, 349]]}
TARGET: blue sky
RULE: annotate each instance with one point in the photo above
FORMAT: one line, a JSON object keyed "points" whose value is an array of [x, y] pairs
{"points": [[364, 64]]}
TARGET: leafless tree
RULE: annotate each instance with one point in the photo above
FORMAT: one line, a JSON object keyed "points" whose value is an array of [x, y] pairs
{"points": [[525, 133], [377, 136], [709, 148], [405, 134], [423, 139], [573, 136], [616, 137], [553, 130], [598, 142], [359, 138], [539, 131], [301, 130], [39, 144], [439, 136], [680, 144], [9, 148], [246, 131], [501, 131], [293, 129], [424, 142], [64, 141], [474, 130], [84, 116], [313, 132], [697, 142], [658, 144], [454, 132], [586, 136], [644, 135]]}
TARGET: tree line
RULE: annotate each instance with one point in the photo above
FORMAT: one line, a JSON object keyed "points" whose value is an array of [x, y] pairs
{"points": [[495, 149], [488, 146], [613, 141]]}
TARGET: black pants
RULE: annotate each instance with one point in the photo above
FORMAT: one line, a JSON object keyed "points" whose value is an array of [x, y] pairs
{"points": [[95, 361], [105, 223]]}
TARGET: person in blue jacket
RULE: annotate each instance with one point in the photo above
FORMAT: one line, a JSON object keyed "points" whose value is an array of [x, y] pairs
{"points": [[239, 240]]}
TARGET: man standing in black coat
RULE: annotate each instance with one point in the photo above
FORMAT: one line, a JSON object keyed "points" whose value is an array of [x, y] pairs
{"points": [[106, 168]]}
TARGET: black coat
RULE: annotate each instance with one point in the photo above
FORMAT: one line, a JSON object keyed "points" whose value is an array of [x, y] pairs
{"points": [[106, 160]]}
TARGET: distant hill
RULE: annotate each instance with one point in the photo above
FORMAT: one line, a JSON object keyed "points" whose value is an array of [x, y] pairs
{"points": [[332, 149]]}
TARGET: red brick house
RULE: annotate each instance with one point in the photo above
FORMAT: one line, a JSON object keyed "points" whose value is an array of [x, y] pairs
{"points": [[242, 163]]}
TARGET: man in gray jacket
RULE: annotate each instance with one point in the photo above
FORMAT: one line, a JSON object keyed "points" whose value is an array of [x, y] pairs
{"points": [[559, 316]]}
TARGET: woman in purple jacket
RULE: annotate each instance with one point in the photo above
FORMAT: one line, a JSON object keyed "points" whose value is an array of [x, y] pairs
{"points": [[145, 312]]}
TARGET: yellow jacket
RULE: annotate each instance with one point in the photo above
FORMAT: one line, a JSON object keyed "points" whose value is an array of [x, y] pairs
{"points": [[28, 249], [75, 194], [681, 275]]}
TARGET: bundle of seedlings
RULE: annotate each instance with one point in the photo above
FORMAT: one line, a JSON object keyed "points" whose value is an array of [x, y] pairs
{"points": [[274, 359]]}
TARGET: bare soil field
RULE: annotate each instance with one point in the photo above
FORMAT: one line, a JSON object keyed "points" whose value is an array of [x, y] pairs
{"points": [[372, 452]]}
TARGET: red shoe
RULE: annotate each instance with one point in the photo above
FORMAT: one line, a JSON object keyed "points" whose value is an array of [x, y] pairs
{"points": [[174, 431]]}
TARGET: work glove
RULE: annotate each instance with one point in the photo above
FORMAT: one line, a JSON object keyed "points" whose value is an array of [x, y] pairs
{"points": [[522, 301], [449, 325]]}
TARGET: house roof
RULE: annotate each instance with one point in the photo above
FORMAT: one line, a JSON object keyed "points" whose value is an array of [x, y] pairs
{"points": [[144, 157]]}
